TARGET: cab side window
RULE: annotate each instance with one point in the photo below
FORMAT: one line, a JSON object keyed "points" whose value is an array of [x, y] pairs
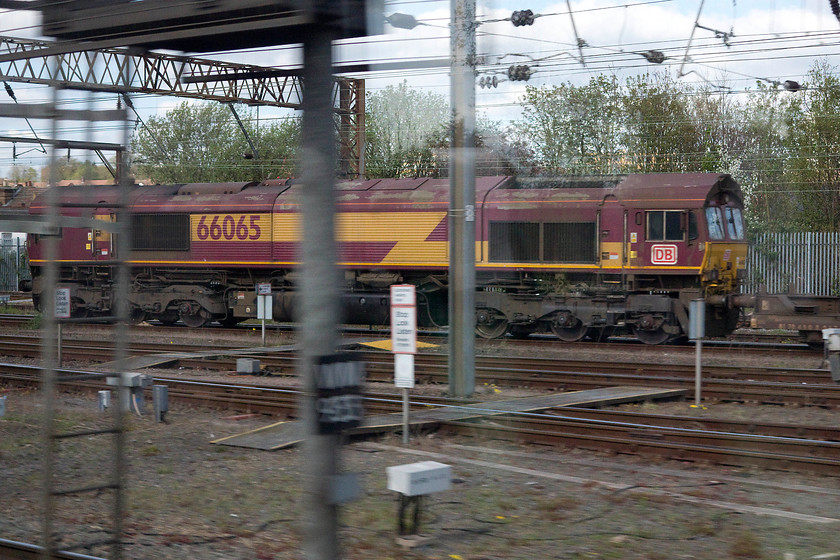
{"points": [[693, 232], [665, 225]]}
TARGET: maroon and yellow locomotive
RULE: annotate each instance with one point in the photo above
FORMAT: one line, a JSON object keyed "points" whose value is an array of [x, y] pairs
{"points": [[575, 256]]}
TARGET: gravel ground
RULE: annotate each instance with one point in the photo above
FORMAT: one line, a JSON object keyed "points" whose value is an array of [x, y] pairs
{"points": [[188, 498]]}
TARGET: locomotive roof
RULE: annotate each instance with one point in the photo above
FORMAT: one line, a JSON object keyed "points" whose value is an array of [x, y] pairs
{"points": [[662, 190], [650, 190]]}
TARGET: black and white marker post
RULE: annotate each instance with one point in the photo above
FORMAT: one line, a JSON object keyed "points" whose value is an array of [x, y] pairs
{"points": [[63, 308], [404, 342]]}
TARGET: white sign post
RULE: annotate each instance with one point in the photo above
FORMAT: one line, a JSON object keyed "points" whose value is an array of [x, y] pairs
{"points": [[62, 311], [404, 342], [264, 306]]}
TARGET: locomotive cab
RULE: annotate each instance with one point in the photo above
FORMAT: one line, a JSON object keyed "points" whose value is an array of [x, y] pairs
{"points": [[725, 247]]}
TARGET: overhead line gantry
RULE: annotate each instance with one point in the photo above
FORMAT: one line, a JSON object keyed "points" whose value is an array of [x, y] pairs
{"points": [[121, 70]]}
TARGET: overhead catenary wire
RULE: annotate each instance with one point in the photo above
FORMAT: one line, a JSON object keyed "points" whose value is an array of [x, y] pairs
{"points": [[552, 68]]}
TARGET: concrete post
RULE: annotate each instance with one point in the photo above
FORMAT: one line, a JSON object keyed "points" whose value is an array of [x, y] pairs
{"points": [[462, 202]]}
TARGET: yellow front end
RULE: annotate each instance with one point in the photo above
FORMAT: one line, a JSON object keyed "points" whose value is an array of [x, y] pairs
{"points": [[720, 272]]}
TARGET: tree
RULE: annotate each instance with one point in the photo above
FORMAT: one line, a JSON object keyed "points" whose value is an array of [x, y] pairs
{"points": [[21, 174], [203, 143], [763, 154], [71, 169], [661, 134], [502, 151], [813, 141], [406, 131], [278, 145], [574, 129]]}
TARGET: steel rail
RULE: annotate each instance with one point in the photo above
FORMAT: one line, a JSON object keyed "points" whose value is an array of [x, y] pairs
{"points": [[718, 383], [681, 444], [558, 427], [15, 550], [539, 366]]}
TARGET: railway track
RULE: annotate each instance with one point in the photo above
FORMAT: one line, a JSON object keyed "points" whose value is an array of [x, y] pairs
{"points": [[784, 344], [765, 385], [14, 550], [776, 446]]}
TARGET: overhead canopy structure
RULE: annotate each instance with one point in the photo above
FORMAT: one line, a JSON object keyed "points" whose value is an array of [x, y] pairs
{"points": [[207, 25]]}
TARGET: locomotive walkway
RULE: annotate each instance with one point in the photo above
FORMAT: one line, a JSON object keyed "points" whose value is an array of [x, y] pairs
{"points": [[286, 434]]}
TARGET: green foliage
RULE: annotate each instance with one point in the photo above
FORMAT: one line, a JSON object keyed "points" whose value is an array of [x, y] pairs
{"points": [[203, 143], [813, 142], [406, 131], [71, 169], [574, 129], [661, 134], [21, 174], [782, 147]]}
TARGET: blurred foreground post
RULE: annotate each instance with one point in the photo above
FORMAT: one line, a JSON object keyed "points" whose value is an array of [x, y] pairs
{"points": [[462, 202], [319, 309]]}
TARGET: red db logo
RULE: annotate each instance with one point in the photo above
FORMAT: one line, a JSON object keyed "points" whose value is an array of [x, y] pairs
{"points": [[663, 254]]}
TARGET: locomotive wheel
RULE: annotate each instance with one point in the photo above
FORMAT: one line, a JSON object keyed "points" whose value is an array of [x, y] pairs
{"points": [[570, 334], [650, 329], [490, 323], [656, 336], [136, 316], [568, 328], [193, 315]]}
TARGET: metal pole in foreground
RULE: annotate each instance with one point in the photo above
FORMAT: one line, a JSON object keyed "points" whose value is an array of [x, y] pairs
{"points": [[462, 202], [319, 303], [405, 409], [698, 376], [696, 332]]}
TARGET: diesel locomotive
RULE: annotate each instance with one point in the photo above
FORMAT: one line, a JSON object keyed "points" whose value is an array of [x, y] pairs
{"points": [[575, 256]]}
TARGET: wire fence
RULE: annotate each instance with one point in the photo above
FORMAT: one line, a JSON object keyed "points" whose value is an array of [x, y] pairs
{"points": [[14, 266], [807, 261]]}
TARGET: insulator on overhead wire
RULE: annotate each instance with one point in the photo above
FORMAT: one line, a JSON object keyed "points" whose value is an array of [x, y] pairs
{"points": [[488, 82], [402, 21], [520, 72], [9, 90], [522, 17], [656, 57], [790, 85]]}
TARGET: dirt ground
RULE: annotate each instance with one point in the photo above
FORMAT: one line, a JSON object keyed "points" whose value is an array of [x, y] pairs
{"points": [[188, 498]]}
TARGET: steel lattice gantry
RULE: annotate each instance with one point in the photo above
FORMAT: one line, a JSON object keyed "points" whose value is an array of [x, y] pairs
{"points": [[116, 70]]}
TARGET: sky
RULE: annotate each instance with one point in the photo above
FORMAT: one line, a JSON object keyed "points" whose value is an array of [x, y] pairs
{"points": [[726, 44]]}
